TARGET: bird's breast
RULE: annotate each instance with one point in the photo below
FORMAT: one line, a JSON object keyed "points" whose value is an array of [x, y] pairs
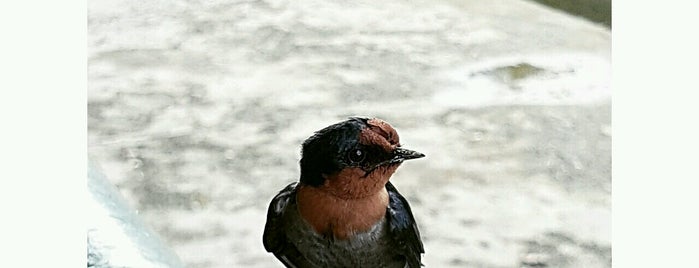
{"points": [[370, 248], [340, 218]]}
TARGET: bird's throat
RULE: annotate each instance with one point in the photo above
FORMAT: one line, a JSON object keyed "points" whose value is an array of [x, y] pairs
{"points": [[337, 217]]}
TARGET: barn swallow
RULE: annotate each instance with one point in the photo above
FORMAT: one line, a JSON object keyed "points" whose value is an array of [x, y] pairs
{"points": [[343, 211]]}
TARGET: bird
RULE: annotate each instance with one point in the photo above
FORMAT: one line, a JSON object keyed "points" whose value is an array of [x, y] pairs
{"points": [[343, 211]]}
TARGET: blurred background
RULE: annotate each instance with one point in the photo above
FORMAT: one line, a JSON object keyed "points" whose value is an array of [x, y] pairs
{"points": [[197, 109]]}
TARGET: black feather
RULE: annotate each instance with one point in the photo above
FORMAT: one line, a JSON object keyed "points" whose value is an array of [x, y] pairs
{"points": [[274, 237], [323, 152], [403, 228]]}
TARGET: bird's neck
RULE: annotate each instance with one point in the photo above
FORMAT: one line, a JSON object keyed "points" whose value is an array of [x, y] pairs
{"points": [[337, 217]]}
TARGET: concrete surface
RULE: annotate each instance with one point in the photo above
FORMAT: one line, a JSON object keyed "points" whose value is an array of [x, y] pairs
{"points": [[197, 110]]}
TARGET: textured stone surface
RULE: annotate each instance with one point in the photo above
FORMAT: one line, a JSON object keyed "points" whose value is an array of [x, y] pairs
{"points": [[197, 110]]}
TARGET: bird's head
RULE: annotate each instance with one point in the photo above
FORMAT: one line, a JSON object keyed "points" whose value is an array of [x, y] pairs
{"points": [[353, 158]]}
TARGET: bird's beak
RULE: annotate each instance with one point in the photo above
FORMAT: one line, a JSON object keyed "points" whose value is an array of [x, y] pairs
{"points": [[400, 154]]}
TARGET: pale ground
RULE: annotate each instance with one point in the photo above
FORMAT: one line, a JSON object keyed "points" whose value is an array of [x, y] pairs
{"points": [[197, 110]]}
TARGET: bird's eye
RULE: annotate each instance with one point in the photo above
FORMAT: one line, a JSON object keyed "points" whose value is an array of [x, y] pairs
{"points": [[357, 155]]}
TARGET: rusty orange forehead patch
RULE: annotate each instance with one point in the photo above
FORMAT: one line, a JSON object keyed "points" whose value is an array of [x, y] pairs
{"points": [[380, 133]]}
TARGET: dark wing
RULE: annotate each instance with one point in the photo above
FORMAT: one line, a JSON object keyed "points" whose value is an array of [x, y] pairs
{"points": [[274, 237], [403, 228]]}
